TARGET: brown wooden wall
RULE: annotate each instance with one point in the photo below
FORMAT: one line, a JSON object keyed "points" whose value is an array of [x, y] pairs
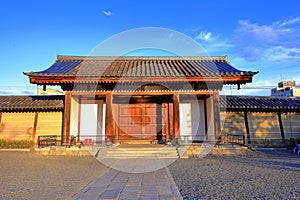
{"points": [[233, 123], [291, 125], [49, 124], [264, 126], [29, 125], [17, 126], [261, 125]]}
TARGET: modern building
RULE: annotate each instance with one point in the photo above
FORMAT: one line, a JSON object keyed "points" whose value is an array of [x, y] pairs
{"points": [[286, 89]]}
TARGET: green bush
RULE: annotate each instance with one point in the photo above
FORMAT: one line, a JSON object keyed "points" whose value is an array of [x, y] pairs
{"points": [[16, 144]]}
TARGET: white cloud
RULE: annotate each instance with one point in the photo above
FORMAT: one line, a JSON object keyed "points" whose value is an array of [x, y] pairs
{"points": [[212, 43], [107, 13], [251, 32], [287, 22], [204, 35], [276, 41], [279, 53]]}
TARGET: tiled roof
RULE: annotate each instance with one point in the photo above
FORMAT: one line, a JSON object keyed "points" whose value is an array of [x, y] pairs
{"points": [[259, 103], [31, 103], [116, 67]]}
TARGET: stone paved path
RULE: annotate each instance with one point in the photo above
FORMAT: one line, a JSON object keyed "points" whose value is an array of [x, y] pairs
{"points": [[122, 185]]}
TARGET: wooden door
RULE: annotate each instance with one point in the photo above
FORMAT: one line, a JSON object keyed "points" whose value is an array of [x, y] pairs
{"points": [[140, 121]]}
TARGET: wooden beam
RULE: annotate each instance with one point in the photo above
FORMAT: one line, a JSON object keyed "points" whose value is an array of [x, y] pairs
{"points": [[35, 122], [56, 80], [216, 106], [109, 121], [247, 127], [176, 120], [67, 116], [145, 93], [281, 127]]}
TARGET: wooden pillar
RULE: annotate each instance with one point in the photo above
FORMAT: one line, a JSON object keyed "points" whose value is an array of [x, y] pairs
{"points": [[281, 127], [35, 125], [176, 120], [78, 119], [171, 119], [0, 121], [216, 106], [99, 119], [166, 120], [247, 127], [109, 121], [67, 116]]}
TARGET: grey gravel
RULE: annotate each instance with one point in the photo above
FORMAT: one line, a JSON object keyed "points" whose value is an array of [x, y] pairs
{"points": [[257, 175], [24, 175]]}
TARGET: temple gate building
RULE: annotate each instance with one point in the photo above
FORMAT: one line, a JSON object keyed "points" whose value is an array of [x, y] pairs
{"points": [[141, 99]]}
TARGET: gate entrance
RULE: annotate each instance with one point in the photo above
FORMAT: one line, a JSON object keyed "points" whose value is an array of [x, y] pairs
{"points": [[141, 121]]}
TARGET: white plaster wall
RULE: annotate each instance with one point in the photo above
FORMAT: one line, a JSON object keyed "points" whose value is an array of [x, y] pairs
{"points": [[198, 120], [88, 119], [74, 117], [192, 120], [185, 118]]}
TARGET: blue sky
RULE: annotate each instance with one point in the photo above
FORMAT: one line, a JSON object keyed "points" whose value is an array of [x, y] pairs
{"points": [[256, 35]]}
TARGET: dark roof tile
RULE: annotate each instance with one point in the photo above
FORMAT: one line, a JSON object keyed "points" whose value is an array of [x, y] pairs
{"points": [[260, 103], [31, 103], [129, 66]]}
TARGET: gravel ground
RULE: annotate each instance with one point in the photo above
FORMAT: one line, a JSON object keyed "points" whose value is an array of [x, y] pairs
{"points": [[257, 175], [24, 175]]}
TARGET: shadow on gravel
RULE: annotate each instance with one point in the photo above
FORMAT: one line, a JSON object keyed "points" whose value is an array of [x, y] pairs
{"points": [[257, 175]]}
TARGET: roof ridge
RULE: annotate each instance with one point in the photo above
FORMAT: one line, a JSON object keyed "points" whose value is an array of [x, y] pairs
{"points": [[212, 58], [260, 97]]}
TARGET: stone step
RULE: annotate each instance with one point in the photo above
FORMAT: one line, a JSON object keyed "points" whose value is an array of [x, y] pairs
{"points": [[141, 141], [149, 150], [142, 156], [142, 152]]}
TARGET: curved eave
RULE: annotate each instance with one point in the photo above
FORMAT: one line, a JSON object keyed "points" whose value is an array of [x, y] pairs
{"points": [[60, 79], [261, 109], [30, 109]]}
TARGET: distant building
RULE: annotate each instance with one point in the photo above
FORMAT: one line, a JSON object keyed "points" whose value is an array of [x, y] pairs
{"points": [[286, 89], [49, 91]]}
